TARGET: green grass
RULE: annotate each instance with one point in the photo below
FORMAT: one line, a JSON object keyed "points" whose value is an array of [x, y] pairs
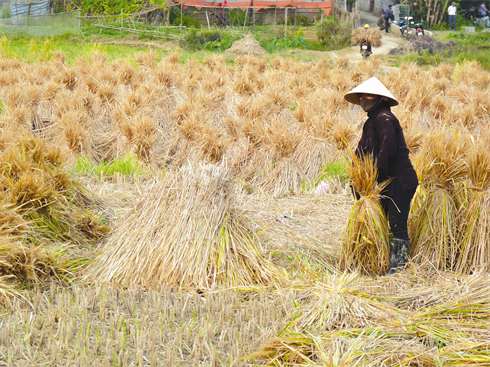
{"points": [[126, 166], [468, 47], [338, 169]]}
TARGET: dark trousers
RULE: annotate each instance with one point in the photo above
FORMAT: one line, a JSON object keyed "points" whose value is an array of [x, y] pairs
{"points": [[387, 25], [452, 21], [397, 209]]}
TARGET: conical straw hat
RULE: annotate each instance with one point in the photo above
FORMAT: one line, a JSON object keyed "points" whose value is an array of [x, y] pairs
{"points": [[371, 86]]}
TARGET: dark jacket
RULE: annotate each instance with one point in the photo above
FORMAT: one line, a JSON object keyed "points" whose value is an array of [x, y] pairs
{"points": [[383, 137], [389, 14]]}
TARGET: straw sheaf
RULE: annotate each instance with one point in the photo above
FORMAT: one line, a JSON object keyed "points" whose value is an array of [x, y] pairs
{"points": [[474, 232], [434, 226], [373, 36], [365, 242], [186, 231]]}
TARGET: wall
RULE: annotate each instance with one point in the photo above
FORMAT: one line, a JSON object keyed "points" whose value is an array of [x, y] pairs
{"points": [[262, 16]]}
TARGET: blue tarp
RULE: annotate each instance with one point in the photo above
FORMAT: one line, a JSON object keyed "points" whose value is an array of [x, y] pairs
{"points": [[19, 11]]}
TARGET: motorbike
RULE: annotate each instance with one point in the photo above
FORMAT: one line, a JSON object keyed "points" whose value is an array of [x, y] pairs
{"points": [[419, 29], [406, 27], [365, 49]]}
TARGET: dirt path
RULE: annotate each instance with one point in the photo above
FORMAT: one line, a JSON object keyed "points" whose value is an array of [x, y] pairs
{"points": [[389, 42]]}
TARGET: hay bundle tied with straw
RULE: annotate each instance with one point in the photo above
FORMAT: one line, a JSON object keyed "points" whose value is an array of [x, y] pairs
{"points": [[365, 242], [373, 36], [186, 231], [474, 235], [441, 169]]}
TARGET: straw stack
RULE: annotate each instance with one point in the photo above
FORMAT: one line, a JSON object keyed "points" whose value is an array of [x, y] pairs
{"points": [[441, 169], [247, 46], [186, 231], [373, 36], [365, 243], [474, 234]]}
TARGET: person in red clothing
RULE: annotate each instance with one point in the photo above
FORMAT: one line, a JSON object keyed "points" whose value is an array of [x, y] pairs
{"points": [[382, 136]]}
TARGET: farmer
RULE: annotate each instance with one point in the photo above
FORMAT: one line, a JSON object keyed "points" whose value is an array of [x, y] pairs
{"points": [[383, 137], [389, 17], [381, 22], [451, 11]]}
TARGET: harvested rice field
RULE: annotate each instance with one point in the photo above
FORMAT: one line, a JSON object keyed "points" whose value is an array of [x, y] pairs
{"points": [[161, 213]]}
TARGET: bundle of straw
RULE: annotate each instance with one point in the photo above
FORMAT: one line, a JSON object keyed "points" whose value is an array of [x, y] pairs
{"points": [[441, 168], [365, 242], [339, 303], [186, 231], [474, 235], [373, 36]]}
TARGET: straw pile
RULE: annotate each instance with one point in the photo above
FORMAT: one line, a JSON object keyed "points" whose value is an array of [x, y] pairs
{"points": [[441, 169], [373, 36], [186, 231], [47, 220], [365, 242], [247, 46], [438, 322]]}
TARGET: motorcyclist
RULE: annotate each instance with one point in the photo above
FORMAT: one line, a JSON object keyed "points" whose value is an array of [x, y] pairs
{"points": [[383, 137], [368, 44]]}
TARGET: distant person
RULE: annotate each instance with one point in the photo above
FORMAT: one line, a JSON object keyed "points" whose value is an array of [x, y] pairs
{"points": [[482, 10], [451, 11], [389, 17], [381, 22]]}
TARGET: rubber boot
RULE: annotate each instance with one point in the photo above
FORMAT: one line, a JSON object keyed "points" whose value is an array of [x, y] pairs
{"points": [[398, 255]]}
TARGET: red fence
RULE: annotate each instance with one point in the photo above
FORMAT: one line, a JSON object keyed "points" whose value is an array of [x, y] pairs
{"points": [[260, 4]]}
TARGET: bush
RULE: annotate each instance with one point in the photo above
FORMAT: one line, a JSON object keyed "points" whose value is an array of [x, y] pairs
{"points": [[187, 20], [333, 34], [301, 20], [237, 16], [195, 40], [285, 43], [221, 44], [174, 14]]}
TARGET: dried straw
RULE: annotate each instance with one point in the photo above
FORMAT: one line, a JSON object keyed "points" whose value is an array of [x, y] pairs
{"points": [[474, 232], [247, 46], [373, 36], [365, 244], [186, 231], [441, 167]]}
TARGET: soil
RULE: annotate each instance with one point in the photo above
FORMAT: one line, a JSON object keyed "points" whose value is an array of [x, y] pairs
{"points": [[135, 42], [388, 42]]}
